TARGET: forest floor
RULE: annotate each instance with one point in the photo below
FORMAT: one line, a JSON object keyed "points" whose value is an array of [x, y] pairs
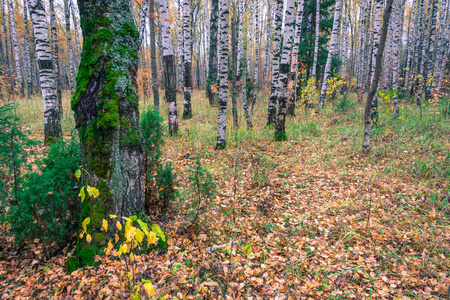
{"points": [[322, 220]]}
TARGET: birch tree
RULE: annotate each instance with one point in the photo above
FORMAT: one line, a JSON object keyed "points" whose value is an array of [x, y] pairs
{"points": [[15, 45], [26, 54], [170, 84], [293, 77], [153, 65], [333, 41], [187, 112], [256, 73], [55, 56], [440, 49], [280, 131], [375, 78], [376, 45], [272, 110], [223, 74], [213, 61], [316, 41], [398, 32], [431, 45], [52, 120], [70, 56]]}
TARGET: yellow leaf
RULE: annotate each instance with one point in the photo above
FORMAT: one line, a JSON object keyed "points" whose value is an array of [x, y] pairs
{"points": [[85, 223], [119, 226], [143, 225], [136, 290], [152, 239], [116, 238], [95, 192], [165, 297], [139, 236], [104, 225], [130, 232], [88, 238], [130, 276], [81, 235], [78, 174], [112, 216], [82, 194], [148, 287], [131, 256]]}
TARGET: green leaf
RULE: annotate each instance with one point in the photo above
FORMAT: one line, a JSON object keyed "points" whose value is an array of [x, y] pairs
{"points": [[78, 174], [143, 225], [156, 229]]}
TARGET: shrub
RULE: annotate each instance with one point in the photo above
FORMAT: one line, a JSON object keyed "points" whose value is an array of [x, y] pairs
{"points": [[47, 205], [198, 195], [343, 105], [159, 180], [13, 143]]}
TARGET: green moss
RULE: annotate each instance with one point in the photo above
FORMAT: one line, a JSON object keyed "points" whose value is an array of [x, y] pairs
{"points": [[72, 264]]}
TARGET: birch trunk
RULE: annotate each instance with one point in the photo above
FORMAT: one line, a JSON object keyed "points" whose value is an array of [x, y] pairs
{"points": [[239, 51], [71, 74], [293, 76], [15, 44], [411, 46], [169, 67], [213, 61], [223, 58], [26, 54], [440, 49], [280, 130], [155, 85], [180, 74], [425, 45], [256, 73], [55, 56], [142, 23], [52, 120], [376, 45], [271, 114], [361, 62], [187, 112], [430, 64], [397, 48], [375, 78], [234, 70], [333, 41], [268, 42], [316, 41]]}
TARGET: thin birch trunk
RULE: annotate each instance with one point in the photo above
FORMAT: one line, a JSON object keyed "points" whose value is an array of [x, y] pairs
{"points": [[316, 41], [70, 56], [239, 51], [430, 64], [180, 50], [142, 23], [223, 58], [154, 70], [397, 48], [213, 60], [376, 45], [15, 44], [55, 56], [375, 78], [272, 110], [268, 42], [293, 77], [26, 54], [234, 69], [425, 45], [256, 73], [169, 67], [52, 119], [280, 127], [411, 46], [440, 49], [187, 112], [333, 41]]}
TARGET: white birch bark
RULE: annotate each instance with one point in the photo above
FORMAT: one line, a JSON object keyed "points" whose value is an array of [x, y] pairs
{"points": [[15, 45], [316, 41], [143, 22], [257, 46], [344, 51], [430, 64], [52, 121], [180, 52], [239, 52], [375, 47], [70, 56], [293, 76], [169, 60], [26, 54], [223, 73], [333, 41], [411, 46], [280, 131], [440, 49], [271, 115], [187, 112], [397, 48]]}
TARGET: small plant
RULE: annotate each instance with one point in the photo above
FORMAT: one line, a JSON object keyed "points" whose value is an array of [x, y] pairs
{"points": [[166, 183], [310, 128], [47, 206], [343, 105], [390, 93], [199, 194]]}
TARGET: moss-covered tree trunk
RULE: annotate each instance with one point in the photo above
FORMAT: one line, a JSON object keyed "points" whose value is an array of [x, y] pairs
{"points": [[105, 104]]}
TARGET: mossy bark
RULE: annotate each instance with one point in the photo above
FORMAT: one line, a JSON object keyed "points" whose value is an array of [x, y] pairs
{"points": [[105, 104]]}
